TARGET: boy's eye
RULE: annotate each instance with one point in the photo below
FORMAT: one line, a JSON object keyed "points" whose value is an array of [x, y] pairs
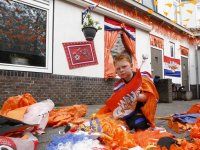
{"points": [[124, 67]]}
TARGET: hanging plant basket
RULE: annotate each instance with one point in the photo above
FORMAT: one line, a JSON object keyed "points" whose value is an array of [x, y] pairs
{"points": [[89, 33]]}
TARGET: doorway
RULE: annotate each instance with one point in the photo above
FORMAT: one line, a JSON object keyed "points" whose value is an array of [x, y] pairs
{"points": [[156, 63], [184, 73]]}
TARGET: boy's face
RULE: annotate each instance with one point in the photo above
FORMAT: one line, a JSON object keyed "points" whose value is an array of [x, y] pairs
{"points": [[123, 69]]}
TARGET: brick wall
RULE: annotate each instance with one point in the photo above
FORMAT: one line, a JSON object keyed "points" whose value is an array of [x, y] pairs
{"points": [[164, 88], [193, 88], [63, 90], [66, 90]]}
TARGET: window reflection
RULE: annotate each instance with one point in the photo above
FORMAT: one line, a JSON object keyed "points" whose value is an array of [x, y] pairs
{"points": [[22, 34], [120, 47], [150, 4]]}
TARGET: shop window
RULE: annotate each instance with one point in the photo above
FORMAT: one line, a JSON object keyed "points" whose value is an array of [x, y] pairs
{"points": [[120, 47], [22, 34]]}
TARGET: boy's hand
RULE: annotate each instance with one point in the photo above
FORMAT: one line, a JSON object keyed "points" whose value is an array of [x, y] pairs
{"points": [[142, 98]]}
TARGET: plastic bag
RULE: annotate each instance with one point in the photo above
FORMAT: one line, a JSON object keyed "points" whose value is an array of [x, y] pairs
{"points": [[11, 143], [17, 102], [39, 114]]}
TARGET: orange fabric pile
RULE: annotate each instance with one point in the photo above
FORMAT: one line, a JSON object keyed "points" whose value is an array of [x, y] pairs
{"points": [[149, 109], [119, 138], [185, 145], [17, 102], [147, 137], [195, 129], [64, 115], [194, 109]]}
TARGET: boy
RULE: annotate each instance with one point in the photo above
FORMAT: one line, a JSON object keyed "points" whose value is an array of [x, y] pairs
{"points": [[142, 116]]}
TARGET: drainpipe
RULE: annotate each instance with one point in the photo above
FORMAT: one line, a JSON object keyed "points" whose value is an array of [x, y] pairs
{"points": [[197, 69]]}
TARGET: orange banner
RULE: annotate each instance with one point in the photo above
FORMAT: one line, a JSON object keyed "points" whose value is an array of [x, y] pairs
{"points": [[124, 101]]}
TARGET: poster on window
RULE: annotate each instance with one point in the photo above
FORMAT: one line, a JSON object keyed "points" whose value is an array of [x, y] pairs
{"points": [[172, 67], [80, 54]]}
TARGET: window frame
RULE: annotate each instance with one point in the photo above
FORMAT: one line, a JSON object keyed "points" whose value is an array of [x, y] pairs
{"points": [[197, 16], [155, 8], [129, 53], [175, 4], [47, 6], [172, 44]]}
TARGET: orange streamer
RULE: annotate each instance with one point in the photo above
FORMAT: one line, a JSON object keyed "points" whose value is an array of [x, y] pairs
{"points": [[184, 50], [156, 41], [158, 28]]}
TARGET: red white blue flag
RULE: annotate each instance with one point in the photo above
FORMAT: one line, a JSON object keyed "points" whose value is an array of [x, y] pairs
{"points": [[172, 67], [111, 25], [89, 8]]}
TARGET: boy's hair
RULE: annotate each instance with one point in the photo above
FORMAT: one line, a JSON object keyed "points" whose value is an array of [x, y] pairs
{"points": [[122, 57]]}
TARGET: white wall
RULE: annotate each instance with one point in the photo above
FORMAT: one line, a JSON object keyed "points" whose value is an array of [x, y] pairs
{"points": [[191, 57], [67, 28], [198, 53], [192, 65], [192, 23], [143, 47], [170, 10]]}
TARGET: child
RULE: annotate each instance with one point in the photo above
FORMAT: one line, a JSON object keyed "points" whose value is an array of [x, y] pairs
{"points": [[136, 120]]}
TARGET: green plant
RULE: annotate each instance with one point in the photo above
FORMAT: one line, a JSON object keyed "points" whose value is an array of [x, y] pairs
{"points": [[91, 23]]}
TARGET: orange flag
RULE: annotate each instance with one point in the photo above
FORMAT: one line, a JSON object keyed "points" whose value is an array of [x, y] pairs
{"points": [[190, 11], [178, 12], [186, 19], [193, 2], [156, 3], [9, 45], [165, 13], [182, 4], [150, 11], [174, 21], [169, 4], [198, 20], [185, 25]]}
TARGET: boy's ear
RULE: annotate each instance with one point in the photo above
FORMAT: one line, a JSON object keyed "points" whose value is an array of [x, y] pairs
{"points": [[131, 65]]}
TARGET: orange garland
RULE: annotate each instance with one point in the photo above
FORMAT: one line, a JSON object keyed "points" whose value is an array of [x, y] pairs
{"points": [[184, 51], [156, 41], [157, 26]]}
